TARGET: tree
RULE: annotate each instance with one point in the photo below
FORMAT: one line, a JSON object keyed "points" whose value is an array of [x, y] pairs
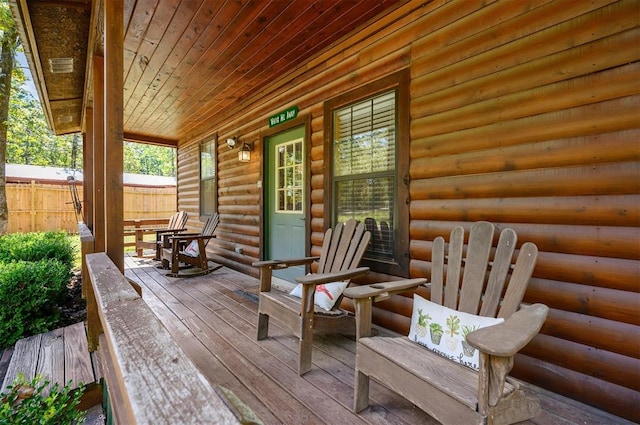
{"points": [[149, 159], [8, 46], [29, 139]]}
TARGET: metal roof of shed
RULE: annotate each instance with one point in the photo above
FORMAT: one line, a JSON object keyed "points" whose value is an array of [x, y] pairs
{"points": [[57, 175]]}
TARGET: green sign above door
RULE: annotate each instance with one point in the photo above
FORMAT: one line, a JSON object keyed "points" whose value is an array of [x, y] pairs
{"points": [[286, 115]]}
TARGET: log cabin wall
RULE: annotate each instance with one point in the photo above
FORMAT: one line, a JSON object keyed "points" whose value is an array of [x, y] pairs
{"points": [[523, 113]]}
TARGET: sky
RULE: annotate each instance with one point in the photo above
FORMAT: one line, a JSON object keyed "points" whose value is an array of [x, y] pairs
{"points": [[29, 84]]}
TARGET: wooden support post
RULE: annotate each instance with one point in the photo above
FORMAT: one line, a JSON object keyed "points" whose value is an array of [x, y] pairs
{"points": [[98, 154], [113, 114], [88, 164]]}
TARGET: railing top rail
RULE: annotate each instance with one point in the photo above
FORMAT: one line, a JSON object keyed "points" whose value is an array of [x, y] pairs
{"points": [[144, 221], [85, 233], [159, 382]]}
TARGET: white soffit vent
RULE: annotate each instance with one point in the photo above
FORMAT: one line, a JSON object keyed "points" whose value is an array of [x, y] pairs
{"points": [[64, 119], [61, 65]]}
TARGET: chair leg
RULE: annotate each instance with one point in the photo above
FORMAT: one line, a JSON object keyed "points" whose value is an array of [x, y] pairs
{"points": [[263, 326], [204, 264], [175, 263], [305, 346], [304, 354], [360, 392]]}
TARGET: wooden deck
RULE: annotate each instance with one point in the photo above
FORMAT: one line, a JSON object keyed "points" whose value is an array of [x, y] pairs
{"points": [[213, 318], [58, 356]]}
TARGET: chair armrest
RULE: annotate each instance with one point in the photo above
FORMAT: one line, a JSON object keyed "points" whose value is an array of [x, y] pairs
{"points": [[509, 337], [320, 278], [187, 238], [283, 264], [160, 232], [182, 235], [384, 289], [365, 295]]}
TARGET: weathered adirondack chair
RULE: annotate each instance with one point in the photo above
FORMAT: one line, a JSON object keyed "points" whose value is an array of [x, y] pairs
{"points": [[176, 225], [190, 249], [342, 250], [450, 392]]}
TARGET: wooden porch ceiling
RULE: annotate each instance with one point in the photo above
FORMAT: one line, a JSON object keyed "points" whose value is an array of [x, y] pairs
{"points": [[186, 63]]}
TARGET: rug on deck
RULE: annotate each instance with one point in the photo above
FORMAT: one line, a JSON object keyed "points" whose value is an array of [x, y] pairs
{"points": [[248, 294]]}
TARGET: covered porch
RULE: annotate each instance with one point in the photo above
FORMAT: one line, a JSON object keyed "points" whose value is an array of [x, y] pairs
{"points": [[213, 319], [524, 114]]}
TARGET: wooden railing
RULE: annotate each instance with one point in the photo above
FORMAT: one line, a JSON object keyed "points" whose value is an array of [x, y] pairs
{"points": [[137, 228], [149, 378], [140, 227]]}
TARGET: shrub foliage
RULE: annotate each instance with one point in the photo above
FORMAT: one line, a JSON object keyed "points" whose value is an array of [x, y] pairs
{"points": [[29, 403], [37, 246], [34, 272]]}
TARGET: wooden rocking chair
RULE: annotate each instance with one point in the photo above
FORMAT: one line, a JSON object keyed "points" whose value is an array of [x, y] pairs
{"points": [[342, 250], [176, 225], [449, 391], [190, 249]]}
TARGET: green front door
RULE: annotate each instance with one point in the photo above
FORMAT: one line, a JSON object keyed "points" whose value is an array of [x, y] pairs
{"points": [[285, 188]]}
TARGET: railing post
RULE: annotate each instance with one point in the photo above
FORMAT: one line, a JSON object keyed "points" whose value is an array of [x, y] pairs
{"points": [[139, 237], [94, 327], [87, 246]]}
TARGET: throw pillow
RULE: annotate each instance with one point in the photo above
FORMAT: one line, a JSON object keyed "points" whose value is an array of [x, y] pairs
{"points": [[444, 330], [192, 249], [326, 294]]}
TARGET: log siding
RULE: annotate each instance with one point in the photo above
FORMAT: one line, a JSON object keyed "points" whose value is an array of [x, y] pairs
{"points": [[522, 113]]}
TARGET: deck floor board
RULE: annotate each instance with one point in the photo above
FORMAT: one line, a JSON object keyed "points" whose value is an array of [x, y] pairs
{"points": [[215, 324], [61, 357]]}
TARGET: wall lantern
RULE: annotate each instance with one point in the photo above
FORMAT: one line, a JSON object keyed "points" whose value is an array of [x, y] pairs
{"points": [[231, 142], [244, 154]]}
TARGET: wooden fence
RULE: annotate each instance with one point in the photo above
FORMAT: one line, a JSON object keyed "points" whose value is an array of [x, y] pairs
{"points": [[37, 207]]}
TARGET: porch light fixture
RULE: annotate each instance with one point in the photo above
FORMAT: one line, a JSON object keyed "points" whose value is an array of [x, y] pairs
{"points": [[244, 154], [231, 142]]}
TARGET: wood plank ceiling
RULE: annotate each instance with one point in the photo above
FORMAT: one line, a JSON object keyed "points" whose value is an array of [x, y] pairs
{"points": [[184, 61]]}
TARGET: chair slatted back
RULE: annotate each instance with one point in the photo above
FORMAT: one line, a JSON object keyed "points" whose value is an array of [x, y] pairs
{"points": [[181, 222], [343, 247], [172, 221], [483, 281], [178, 220], [210, 226]]}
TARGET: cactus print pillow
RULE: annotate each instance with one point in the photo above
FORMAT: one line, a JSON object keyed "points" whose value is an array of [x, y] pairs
{"points": [[444, 330]]}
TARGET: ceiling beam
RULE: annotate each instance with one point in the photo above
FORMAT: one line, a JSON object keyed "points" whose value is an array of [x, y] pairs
{"points": [[68, 4], [150, 140]]}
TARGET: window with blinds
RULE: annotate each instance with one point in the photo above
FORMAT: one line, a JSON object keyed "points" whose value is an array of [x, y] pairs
{"points": [[207, 177], [364, 169]]}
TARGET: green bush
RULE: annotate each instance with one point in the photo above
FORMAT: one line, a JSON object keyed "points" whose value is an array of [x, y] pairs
{"points": [[37, 246], [29, 295], [26, 403]]}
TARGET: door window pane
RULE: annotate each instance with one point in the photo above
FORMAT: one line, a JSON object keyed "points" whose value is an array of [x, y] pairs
{"points": [[289, 177]]}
